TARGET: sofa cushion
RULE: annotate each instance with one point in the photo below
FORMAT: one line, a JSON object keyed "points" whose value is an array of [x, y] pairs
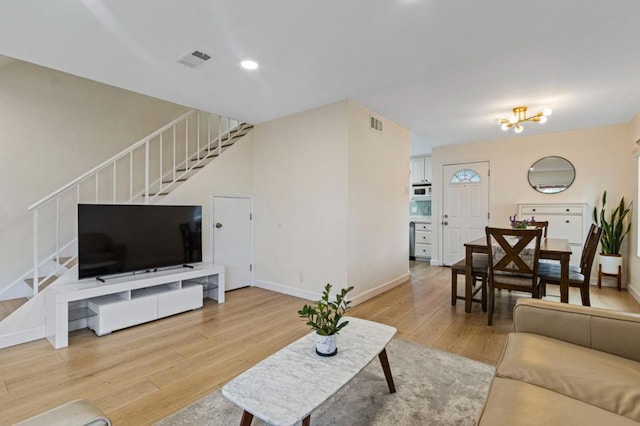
{"points": [[511, 402], [606, 381]]}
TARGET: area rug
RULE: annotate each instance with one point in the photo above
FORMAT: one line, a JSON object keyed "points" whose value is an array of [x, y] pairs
{"points": [[433, 388]]}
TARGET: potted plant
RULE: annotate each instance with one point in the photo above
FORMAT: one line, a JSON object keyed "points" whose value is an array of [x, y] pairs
{"points": [[324, 317], [614, 229]]}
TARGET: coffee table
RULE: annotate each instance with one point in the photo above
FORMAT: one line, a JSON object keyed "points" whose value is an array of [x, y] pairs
{"points": [[287, 386]]}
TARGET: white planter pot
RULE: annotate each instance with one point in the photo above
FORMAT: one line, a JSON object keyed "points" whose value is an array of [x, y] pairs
{"points": [[610, 263], [326, 345]]}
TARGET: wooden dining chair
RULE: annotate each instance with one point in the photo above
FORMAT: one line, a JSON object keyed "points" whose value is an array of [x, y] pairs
{"points": [[513, 262], [479, 273], [578, 276], [541, 224]]}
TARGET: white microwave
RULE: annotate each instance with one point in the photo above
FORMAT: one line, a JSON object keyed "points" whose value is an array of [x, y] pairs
{"points": [[421, 192]]}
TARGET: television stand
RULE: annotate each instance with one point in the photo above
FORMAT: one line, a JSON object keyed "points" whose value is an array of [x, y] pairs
{"points": [[126, 301]]}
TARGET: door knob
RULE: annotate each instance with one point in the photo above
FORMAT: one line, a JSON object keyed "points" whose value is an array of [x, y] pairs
{"points": [[218, 225], [445, 223], [446, 216]]}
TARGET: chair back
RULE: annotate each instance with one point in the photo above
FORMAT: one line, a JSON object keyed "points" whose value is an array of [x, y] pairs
{"points": [[514, 251], [542, 224], [589, 251]]}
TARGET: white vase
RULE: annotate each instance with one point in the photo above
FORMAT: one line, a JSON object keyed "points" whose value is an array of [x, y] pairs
{"points": [[610, 263], [326, 345]]}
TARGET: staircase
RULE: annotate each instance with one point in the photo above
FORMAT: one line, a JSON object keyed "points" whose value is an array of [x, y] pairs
{"points": [[141, 174]]}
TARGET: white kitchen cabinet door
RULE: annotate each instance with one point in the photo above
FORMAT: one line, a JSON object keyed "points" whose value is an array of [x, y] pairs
{"points": [[417, 170]]}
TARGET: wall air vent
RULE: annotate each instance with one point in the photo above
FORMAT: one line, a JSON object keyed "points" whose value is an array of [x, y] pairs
{"points": [[375, 124], [193, 58]]}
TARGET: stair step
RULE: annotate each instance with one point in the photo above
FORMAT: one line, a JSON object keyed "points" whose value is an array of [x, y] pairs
{"points": [[204, 158], [71, 264], [42, 285], [153, 194], [177, 180], [7, 307], [184, 170]]}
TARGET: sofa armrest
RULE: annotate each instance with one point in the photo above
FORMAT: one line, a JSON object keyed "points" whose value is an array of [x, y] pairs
{"points": [[600, 329]]}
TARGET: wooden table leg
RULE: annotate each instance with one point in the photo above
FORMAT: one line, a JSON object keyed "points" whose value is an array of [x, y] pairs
{"points": [[468, 279], [247, 418], [387, 370], [564, 278], [306, 421]]}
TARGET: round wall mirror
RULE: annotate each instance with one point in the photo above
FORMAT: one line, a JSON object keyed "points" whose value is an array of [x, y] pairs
{"points": [[551, 175]]}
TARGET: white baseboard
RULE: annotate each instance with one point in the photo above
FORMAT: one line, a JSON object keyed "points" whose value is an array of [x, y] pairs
{"points": [[435, 262], [310, 295], [291, 291], [22, 336], [634, 293], [379, 289]]}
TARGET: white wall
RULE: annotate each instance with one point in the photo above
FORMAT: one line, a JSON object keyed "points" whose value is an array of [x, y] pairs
{"points": [[601, 156], [378, 204], [55, 127], [300, 186], [331, 202]]}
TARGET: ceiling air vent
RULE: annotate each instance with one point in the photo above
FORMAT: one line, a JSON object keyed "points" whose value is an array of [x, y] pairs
{"points": [[375, 124], [193, 59]]}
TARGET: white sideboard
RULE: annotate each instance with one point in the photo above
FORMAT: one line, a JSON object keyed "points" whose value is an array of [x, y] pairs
{"points": [[570, 221], [125, 301]]}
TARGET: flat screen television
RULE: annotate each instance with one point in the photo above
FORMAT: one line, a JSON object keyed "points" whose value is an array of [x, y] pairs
{"points": [[114, 239]]}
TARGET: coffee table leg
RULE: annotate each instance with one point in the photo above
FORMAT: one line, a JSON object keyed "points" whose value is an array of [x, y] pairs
{"points": [[387, 370], [306, 421], [247, 417]]}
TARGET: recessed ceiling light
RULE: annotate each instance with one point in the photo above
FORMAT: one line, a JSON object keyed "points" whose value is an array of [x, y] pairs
{"points": [[249, 64]]}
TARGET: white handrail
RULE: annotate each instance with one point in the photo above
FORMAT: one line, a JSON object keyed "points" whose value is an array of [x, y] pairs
{"points": [[110, 160]]}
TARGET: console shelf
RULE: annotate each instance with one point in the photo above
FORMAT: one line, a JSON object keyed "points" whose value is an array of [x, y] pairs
{"points": [[127, 301]]}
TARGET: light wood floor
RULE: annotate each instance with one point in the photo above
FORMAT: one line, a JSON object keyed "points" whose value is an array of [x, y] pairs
{"points": [[144, 373]]}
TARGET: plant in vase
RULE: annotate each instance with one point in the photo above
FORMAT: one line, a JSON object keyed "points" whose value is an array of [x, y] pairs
{"points": [[520, 224], [324, 317], [615, 227]]}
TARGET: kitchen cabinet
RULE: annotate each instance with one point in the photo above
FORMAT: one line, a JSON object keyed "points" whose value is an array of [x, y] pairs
{"points": [[422, 249], [569, 221], [421, 170]]}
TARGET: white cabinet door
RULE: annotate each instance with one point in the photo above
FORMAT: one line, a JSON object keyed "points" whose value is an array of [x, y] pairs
{"points": [[428, 172], [417, 170]]}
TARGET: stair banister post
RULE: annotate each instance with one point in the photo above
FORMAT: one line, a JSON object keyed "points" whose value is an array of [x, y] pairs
{"points": [[146, 172], [186, 144], [161, 175], [35, 250], [198, 136], [174, 153], [130, 176], [208, 134]]}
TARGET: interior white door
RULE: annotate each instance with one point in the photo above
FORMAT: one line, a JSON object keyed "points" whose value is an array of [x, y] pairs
{"points": [[465, 207], [232, 242]]}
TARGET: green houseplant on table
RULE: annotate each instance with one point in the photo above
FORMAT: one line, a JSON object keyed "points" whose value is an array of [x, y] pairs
{"points": [[615, 227], [324, 317]]}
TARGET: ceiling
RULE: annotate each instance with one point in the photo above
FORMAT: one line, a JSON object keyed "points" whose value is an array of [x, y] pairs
{"points": [[445, 69]]}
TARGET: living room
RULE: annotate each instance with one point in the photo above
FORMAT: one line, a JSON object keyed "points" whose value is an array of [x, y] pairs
{"points": [[320, 192]]}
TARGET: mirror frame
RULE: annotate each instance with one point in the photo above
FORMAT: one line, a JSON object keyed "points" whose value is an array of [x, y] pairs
{"points": [[554, 192]]}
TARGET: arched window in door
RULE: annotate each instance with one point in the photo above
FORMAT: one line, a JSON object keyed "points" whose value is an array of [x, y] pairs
{"points": [[466, 176]]}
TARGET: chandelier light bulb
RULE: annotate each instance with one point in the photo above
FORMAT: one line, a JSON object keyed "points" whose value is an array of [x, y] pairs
{"points": [[505, 126], [519, 128], [543, 119], [513, 119], [547, 111]]}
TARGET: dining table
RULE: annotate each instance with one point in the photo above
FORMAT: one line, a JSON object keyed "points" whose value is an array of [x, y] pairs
{"points": [[550, 248]]}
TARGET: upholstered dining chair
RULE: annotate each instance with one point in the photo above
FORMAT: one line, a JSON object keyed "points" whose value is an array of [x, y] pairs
{"points": [[513, 262], [480, 274], [549, 273], [541, 224]]}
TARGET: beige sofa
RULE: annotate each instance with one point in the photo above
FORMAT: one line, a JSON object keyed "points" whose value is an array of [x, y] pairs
{"points": [[567, 365]]}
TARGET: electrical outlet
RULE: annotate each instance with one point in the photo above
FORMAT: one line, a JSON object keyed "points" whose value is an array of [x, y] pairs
{"points": [[414, 210]]}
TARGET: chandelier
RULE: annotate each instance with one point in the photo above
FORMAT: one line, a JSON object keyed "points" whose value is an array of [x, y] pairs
{"points": [[520, 116]]}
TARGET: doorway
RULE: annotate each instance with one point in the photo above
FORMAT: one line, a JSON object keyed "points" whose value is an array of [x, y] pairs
{"points": [[232, 238], [465, 207]]}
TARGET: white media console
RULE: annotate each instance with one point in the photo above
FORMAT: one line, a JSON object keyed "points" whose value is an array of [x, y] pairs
{"points": [[125, 301]]}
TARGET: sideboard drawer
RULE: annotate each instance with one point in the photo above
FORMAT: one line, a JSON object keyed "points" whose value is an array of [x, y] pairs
{"points": [[540, 210]]}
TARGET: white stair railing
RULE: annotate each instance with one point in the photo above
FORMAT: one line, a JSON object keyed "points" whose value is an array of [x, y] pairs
{"points": [[140, 174]]}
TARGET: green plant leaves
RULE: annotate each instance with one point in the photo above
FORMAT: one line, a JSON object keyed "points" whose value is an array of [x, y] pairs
{"points": [[324, 316], [614, 229]]}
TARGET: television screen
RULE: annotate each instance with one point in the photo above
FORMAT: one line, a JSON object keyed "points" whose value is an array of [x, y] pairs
{"points": [[115, 238]]}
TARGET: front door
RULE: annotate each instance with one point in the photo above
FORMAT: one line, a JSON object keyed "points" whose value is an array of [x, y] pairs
{"points": [[465, 207], [232, 241]]}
